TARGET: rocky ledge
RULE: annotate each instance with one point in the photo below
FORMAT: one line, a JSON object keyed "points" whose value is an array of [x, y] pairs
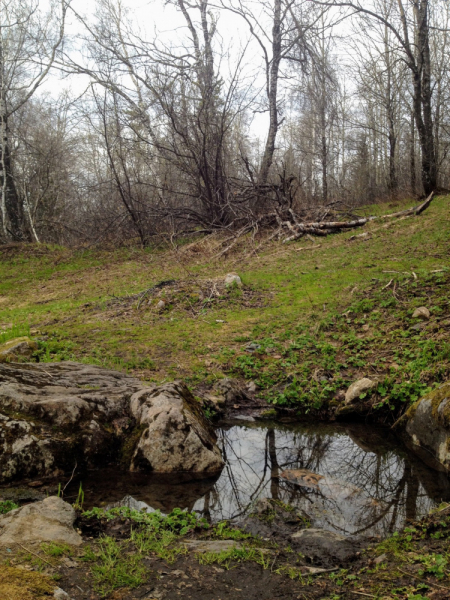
{"points": [[56, 416]]}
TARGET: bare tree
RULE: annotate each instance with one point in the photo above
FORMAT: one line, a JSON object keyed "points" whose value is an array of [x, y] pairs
{"points": [[410, 26], [29, 41]]}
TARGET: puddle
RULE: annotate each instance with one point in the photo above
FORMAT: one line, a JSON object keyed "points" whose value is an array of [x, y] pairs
{"points": [[350, 479]]}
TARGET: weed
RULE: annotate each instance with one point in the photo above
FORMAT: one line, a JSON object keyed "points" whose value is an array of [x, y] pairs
{"points": [[434, 564], [56, 550], [15, 331], [178, 521], [223, 532], [6, 506], [115, 566]]}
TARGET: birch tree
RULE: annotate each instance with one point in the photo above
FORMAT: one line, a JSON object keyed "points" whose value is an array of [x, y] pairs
{"points": [[29, 41]]}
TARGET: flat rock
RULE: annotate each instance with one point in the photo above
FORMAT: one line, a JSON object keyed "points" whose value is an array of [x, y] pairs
{"points": [[215, 546], [357, 388], [325, 546], [48, 521]]}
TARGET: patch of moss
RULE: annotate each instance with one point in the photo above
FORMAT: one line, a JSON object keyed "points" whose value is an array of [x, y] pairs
{"points": [[19, 584], [128, 448], [437, 397], [271, 413]]}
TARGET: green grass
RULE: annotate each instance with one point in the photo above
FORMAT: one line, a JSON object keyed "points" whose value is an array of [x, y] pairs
{"points": [[115, 566], [85, 307]]}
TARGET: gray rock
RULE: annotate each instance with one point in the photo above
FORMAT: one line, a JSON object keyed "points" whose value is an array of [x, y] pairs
{"points": [[426, 426], [252, 387], [253, 347], [232, 279], [60, 594], [230, 391], [269, 519], [216, 546], [422, 313], [357, 388], [177, 437], [380, 559], [48, 521], [324, 545]]}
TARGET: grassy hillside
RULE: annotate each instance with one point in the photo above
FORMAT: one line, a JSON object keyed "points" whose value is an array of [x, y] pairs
{"points": [[318, 313]]}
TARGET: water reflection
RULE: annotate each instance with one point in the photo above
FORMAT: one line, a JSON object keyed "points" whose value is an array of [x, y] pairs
{"points": [[369, 486]]}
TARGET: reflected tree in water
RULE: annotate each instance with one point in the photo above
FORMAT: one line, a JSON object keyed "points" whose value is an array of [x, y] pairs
{"points": [[367, 486]]}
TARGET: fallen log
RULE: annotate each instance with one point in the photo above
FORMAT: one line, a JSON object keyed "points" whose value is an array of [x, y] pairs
{"points": [[324, 228]]}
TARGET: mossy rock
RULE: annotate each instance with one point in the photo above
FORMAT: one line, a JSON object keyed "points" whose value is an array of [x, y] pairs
{"points": [[18, 347], [426, 425]]}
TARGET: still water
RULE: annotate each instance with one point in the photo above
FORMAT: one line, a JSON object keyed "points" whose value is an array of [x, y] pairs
{"points": [[369, 484]]}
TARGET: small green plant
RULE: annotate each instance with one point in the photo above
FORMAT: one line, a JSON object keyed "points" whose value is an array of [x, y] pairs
{"points": [[6, 506], [78, 504], [56, 550], [115, 566], [224, 532], [434, 564]]}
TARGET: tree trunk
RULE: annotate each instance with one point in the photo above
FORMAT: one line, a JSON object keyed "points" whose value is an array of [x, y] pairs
{"points": [[423, 97], [11, 209], [412, 156], [272, 94]]}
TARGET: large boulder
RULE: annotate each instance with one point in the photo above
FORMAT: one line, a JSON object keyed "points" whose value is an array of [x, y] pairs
{"points": [[54, 416], [426, 427], [48, 521], [176, 435]]}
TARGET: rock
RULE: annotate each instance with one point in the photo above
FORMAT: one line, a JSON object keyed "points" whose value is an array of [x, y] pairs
{"points": [[61, 594], [426, 426], [357, 388], [21, 346], [274, 520], [56, 415], [48, 521], [380, 559], [302, 477], [161, 305], [422, 313], [230, 390], [232, 279], [325, 546], [252, 387], [253, 347], [216, 546], [177, 437]]}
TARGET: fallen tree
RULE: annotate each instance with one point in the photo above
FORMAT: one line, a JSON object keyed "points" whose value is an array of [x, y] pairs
{"points": [[298, 229]]}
